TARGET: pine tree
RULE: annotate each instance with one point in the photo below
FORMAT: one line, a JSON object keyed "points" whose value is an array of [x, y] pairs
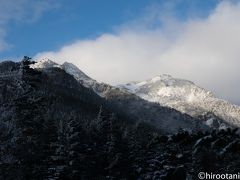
{"points": [[50, 143], [75, 142]]}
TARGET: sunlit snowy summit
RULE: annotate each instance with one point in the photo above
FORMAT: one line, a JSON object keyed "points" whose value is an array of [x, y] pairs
{"points": [[182, 95]]}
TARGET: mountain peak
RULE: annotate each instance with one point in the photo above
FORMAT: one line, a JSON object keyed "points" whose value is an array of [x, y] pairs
{"points": [[168, 80], [44, 63], [67, 67], [157, 78], [161, 77], [184, 96]]}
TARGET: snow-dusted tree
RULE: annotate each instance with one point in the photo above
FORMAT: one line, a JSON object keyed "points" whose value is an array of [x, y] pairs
{"points": [[76, 148]]}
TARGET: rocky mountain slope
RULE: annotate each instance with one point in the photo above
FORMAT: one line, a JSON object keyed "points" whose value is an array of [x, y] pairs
{"points": [[67, 67], [166, 119], [184, 96]]}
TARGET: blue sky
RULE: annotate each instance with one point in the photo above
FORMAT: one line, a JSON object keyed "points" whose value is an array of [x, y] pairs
{"points": [[116, 41], [65, 21]]}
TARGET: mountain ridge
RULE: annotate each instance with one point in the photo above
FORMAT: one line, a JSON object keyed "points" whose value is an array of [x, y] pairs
{"points": [[165, 118], [180, 94], [184, 96]]}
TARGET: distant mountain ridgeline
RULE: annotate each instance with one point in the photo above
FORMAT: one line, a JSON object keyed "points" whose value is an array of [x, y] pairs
{"points": [[166, 119], [54, 127]]}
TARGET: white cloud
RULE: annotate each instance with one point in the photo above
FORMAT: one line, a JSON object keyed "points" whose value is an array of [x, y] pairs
{"points": [[205, 51], [21, 11]]}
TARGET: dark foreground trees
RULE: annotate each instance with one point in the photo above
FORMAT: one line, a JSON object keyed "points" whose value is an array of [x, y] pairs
{"points": [[107, 149], [53, 128]]}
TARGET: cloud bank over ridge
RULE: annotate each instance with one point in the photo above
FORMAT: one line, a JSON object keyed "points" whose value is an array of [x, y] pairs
{"points": [[204, 50]]}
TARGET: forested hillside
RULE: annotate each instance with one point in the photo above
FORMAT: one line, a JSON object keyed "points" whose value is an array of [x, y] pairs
{"points": [[52, 127]]}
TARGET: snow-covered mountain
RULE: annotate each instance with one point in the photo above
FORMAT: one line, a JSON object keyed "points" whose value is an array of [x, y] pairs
{"points": [[184, 96], [68, 67], [179, 94], [164, 118]]}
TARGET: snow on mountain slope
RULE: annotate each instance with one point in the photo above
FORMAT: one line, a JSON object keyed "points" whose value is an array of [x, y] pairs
{"points": [[168, 120], [184, 96], [44, 63], [68, 67]]}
